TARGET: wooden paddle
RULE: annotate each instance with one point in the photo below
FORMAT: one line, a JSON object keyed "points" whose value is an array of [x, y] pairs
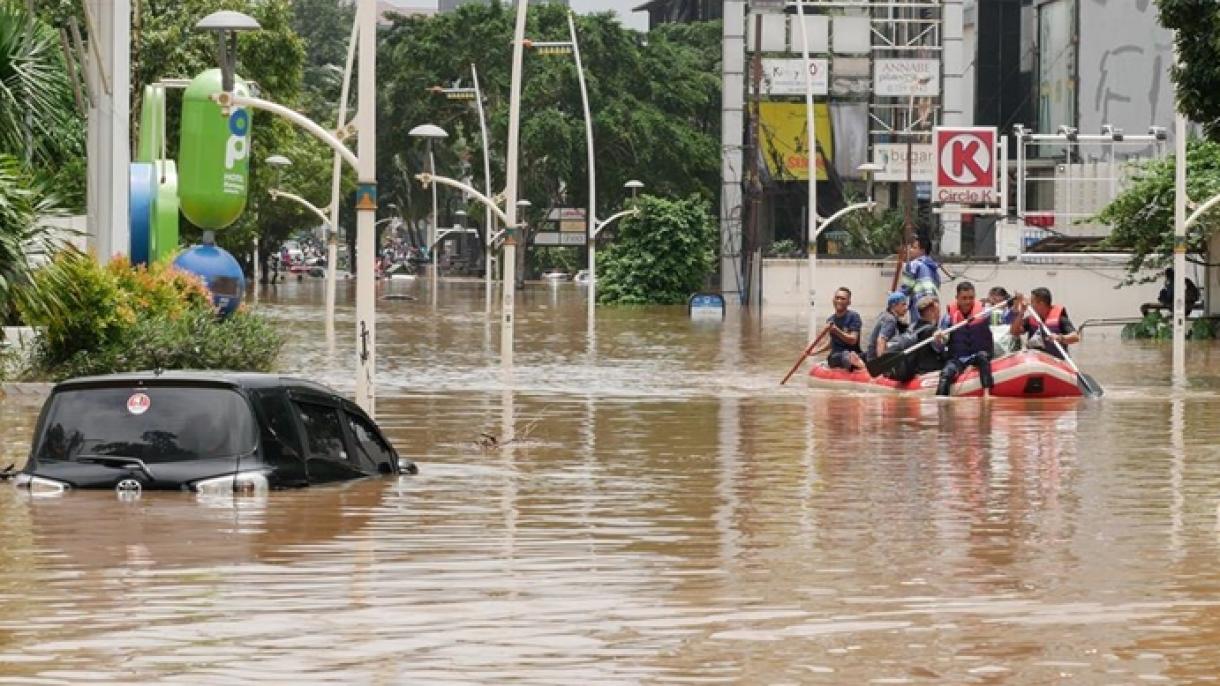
{"points": [[807, 353], [884, 363], [1087, 384]]}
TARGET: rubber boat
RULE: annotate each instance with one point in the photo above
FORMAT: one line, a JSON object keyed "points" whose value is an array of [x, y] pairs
{"points": [[1026, 374]]}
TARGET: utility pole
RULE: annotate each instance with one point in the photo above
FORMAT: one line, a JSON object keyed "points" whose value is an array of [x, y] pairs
{"points": [[750, 244]]}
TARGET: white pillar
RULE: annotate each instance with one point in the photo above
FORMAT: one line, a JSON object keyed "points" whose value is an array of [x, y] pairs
{"points": [[508, 283], [732, 118], [109, 136], [812, 182], [1179, 252], [953, 100], [366, 206]]}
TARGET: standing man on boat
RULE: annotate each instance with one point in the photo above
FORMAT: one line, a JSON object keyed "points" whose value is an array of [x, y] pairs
{"points": [[845, 325], [969, 346], [926, 359], [1060, 326], [921, 274], [888, 326]]}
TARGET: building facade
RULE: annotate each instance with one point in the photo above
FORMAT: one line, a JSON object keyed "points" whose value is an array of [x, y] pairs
{"points": [[668, 11]]}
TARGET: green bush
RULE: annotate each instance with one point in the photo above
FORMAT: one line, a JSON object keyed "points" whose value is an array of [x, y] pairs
{"points": [[784, 247], [660, 256], [1158, 326], [98, 320]]}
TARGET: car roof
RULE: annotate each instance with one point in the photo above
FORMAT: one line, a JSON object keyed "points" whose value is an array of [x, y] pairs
{"points": [[242, 380]]}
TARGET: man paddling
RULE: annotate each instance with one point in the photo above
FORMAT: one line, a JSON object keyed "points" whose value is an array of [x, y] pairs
{"points": [[845, 325], [969, 346], [1058, 324]]}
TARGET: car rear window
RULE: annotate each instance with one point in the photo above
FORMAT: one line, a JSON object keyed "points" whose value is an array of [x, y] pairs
{"points": [[154, 424]]}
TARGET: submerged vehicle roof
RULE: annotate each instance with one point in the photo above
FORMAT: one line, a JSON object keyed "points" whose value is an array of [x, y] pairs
{"points": [[245, 380]]}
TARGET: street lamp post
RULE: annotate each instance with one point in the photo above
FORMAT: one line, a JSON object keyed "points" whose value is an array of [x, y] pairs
{"points": [[634, 186], [572, 45], [508, 281], [332, 239], [431, 132], [476, 94], [364, 162]]}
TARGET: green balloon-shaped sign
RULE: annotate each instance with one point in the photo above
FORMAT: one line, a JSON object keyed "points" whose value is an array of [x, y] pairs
{"points": [[213, 154]]}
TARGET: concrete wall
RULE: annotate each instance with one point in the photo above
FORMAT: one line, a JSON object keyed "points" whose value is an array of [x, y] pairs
{"points": [[1123, 66], [1085, 288]]}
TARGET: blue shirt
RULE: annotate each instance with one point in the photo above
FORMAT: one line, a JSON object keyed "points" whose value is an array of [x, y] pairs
{"points": [[920, 277], [970, 339], [850, 322]]}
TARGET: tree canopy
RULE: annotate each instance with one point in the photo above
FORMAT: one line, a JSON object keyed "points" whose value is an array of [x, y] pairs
{"points": [[168, 46], [655, 100], [1195, 23], [1142, 215]]}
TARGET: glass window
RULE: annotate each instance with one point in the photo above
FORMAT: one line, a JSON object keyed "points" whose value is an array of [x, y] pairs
{"points": [[323, 433], [280, 424], [153, 424], [370, 442]]}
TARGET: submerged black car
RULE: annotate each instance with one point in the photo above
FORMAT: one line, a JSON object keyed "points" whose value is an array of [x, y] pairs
{"points": [[210, 432]]}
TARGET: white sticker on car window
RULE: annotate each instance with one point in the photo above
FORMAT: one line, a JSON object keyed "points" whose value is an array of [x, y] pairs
{"points": [[138, 403]]}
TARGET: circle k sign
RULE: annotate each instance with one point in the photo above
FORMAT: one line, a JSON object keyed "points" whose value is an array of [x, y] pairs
{"points": [[965, 165]]}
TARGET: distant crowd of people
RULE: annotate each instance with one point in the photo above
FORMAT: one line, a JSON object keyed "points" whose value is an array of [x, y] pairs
{"points": [[968, 332]]}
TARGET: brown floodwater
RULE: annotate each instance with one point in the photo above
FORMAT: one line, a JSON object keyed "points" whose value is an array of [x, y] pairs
{"points": [[658, 510]]}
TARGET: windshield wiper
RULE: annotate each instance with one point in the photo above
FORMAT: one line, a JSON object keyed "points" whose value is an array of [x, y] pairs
{"points": [[117, 461]]}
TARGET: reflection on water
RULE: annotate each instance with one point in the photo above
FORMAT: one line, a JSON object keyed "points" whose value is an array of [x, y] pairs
{"points": [[651, 507]]}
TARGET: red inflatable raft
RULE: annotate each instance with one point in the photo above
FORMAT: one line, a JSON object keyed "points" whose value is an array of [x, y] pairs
{"points": [[1027, 374]]}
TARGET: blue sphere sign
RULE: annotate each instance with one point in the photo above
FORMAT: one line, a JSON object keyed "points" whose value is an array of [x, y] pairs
{"points": [[220, 271]]}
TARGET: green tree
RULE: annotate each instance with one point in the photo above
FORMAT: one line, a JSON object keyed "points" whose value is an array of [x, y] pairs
{"points": [[41, 143], [274, 58], [655, 101], [1142, 215], [1196, 79], [326, 27], [660, 256]]}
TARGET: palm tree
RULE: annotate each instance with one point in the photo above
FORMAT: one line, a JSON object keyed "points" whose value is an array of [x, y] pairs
{"points": [[37, 117], [41, 143]]}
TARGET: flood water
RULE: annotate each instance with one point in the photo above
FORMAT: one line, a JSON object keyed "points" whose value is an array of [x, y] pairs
{"points": [[657, 510]]}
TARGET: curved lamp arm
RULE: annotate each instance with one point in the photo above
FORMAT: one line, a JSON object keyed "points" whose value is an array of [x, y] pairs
{"points": [[868, 205], [440, 236], [426, 179], [1200, 211], [277, 194], [613, 218], [233, 100]]}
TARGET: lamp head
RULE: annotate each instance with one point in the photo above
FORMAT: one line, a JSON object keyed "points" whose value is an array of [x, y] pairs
{"points": [[870, 168], [226, 24], [278, 161], [428, 131]]}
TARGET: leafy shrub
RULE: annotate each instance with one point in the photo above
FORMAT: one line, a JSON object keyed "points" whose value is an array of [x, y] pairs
{"points": [[783, 248], [1158, 326], [660, 256], [97, 320]]}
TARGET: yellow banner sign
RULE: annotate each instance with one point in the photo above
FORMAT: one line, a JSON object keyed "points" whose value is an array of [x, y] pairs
{"points": [[784, 145]]}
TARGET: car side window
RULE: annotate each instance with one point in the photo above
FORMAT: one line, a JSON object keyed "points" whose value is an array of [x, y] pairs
{"points": [[323, 433], [279, 422], [369, 441]]}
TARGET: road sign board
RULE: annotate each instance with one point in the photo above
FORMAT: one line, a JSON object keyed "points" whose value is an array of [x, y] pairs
{"points": [[965, 165], [893, 160], [783, 76]]}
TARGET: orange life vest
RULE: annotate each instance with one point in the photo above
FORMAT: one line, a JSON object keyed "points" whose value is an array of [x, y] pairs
{"points": [[955, 314], [1051, 320]]}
